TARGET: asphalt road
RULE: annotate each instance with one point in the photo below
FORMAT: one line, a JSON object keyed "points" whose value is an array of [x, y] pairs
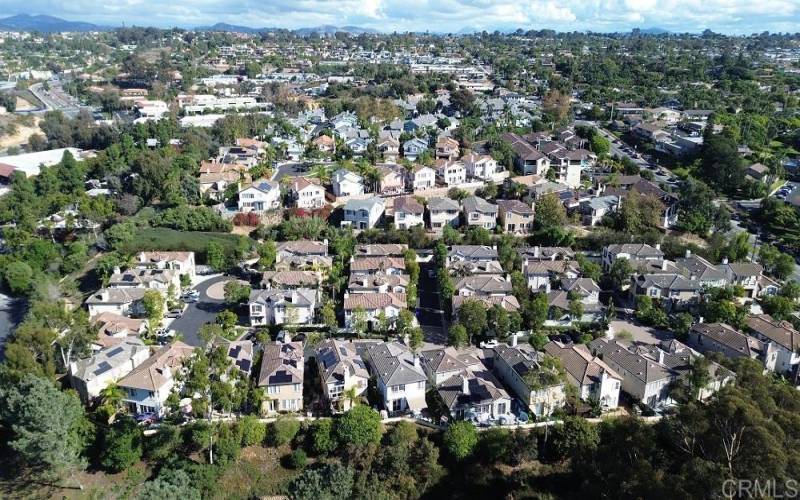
{"points": [[617, 150], [429, 314], [199, 313]]}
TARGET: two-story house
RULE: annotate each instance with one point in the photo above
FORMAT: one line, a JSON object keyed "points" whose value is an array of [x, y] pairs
{"points": [[443, 212], [389, 147], [481, 167], [479, 212], [125, 301], [393, 179], [413, 148], [408, 212], [371, 306], [744, 274], [341, 371], [306, 194], [363, 214], [181, 262], [520, 368], [451, 173], [91, 375], [399, 377], [724, 339], [420, 177], [347, 183], [259, 197], [447, 148], [784, 337], [279, 307], [516, 217], [594, 379], [146, 388], [281, 376]]}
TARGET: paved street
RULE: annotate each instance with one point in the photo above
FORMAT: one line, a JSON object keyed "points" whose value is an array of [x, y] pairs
{"points": [[429, 315], [197, 314]]}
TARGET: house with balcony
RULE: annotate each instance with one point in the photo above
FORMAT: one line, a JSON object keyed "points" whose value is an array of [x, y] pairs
{"points": [[306, 194], [282, 307], [413, 148], [146, 388], [259, 197], [181, 262], [420, 177], [451, 173], [341, 370], [744, 274], [347, 183], [373, 306], [281, 377], [594, 379], [389, 147], [784, 337], [447, 148], [515, 217], [731, 343], [482, 167], [393, 179], [399, 377], [521, 369], [91, 375]]}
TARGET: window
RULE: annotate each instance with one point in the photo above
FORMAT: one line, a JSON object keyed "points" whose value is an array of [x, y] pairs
{"points": [[401, 387], [296, 387], [273, 389], [420, 385]]}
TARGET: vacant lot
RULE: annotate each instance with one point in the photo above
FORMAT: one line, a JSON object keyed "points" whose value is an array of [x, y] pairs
{"points": [[161, 238]]}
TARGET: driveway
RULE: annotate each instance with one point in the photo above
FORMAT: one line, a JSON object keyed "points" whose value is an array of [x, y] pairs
{"points": [[203, 311], [641, 334]]}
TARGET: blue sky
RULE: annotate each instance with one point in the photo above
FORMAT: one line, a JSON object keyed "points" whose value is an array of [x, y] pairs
{"points": [[727, 16]]}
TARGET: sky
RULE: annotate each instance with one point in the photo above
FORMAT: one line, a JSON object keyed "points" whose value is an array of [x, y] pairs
{"points": [[724, 16]]}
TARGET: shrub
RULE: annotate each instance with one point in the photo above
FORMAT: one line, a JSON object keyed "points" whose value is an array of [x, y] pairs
{"points": [[460, 439], [252, 431], [359, 426], [321, 440], [122, 445], [297, 459], [284, 429]]}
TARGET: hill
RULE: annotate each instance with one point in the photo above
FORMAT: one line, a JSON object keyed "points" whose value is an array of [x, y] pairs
{"points": [[45, 24]]}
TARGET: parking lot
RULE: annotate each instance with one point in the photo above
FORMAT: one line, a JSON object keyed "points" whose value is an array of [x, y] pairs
{"points": [[792, 193]]}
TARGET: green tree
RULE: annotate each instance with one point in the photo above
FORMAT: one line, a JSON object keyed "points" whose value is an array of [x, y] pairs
{"points": [[19, 277], [252, 430], [283, 430], [460, 439], [329, 316], [236, 292], [329, 482], [267, 253], [171, 484], [322, 438], [122, 445], [457, 336], [550, 212], [359, 426], [215, 256], [153, 304], [47, 427], [472, 314]]}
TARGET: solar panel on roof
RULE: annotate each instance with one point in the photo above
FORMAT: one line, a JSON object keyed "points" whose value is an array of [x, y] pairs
{"points": [[114, 352], [245, 365], [102, 368], [281, 377]]}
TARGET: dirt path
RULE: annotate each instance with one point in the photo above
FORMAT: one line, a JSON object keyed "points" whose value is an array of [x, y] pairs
{"points": [[21, 136]]}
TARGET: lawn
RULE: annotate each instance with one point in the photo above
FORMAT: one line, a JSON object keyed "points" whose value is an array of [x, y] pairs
{"points": [[162, 238]]}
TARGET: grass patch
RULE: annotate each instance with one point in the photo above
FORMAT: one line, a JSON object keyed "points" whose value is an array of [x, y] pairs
{"points": [[165, 239], [257, 473]]}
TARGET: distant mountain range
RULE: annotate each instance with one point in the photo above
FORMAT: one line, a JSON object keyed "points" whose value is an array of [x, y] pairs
{"points": [[322, 30], [45, 24]]}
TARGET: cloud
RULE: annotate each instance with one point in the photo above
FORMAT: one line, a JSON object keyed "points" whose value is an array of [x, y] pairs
{"points": [[734, 16]]}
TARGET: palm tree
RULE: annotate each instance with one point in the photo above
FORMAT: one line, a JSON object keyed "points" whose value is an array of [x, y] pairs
{"points": [[111, 400], [323, 173], [351, 397]]}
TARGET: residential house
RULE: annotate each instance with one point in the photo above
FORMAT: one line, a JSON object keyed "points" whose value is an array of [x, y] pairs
{"points": [[594, 210], [696, 267], [279, 307], [483, 285], [581, 290], [114, 328], [516, 217], [317, 263], [479, 212], [476, 395], [413, 148], [389, 147], [240, 353], [363, 214], [341, 370], [148, 278], [443, 212], [125, 301], [380, 250], [259, 197], [674, 290], [213, 185], [372, 305], [447, 148], [507, 302], [399, 377], [624, 185], [473, 268], [594, 379], [147, 387], [347, 183], [784, 337], [392, 179], [306, 194], [91, 375], [471, 253], [182, 262], [289, 280], [420, 177], [443, 363], [760, 172], [482, 167], [357, 145], [301, 248], [528, 159], [634, 252], [378, 283], [643, 378], [325, 144], [521, 370], [724, 339], [540, 274], [408, 212], [744, 274], [538, 253], [360, 265], [281, 376], [451, 173]]}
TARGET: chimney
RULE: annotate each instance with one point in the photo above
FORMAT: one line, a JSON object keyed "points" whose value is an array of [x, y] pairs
{"points": [[658, 246], [514, 339], [688, 253], [536, 251], [325, 241], [660, 356], [416, 362], [725, 260], [701, 319], [664, 265], [465, 385]]}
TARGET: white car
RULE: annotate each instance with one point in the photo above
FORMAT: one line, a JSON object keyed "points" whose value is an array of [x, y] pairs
{"points": [[489, 343]]}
